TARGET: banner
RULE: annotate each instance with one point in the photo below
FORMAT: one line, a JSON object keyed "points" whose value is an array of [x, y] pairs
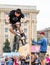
{"points": [[35, 48]]}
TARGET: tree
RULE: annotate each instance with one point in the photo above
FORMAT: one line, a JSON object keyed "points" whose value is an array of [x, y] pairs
{"points": [[6, 47]]}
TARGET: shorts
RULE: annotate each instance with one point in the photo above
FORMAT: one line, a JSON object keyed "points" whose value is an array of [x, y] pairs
{"points": [[42, 56], [14, 25]]}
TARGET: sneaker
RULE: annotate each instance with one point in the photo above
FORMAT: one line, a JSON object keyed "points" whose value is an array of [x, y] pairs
{"points": [[23, 38]]}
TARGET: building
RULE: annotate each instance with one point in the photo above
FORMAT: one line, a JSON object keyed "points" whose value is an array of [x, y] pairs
{"points": [[47, 33], [29, 11]]}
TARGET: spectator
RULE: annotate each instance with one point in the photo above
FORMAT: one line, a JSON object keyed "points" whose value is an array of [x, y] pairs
{"points": [[37, 59], [15, 60], [22, 59], [2, 61], [47, 59], [27, 60], [43, 47], [9, 62], [32, 59]]}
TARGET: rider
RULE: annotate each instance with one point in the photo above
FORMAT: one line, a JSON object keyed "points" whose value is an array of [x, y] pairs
{"points": [[15, 21]]}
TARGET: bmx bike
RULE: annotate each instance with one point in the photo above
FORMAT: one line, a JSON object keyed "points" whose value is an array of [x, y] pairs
{"points": [[18, 40]]}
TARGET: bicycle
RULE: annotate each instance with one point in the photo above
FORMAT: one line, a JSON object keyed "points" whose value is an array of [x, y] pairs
{"points": [[17, 40]]}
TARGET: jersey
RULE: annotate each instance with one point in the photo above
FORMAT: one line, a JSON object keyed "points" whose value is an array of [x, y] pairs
{"points": [[13, 19]]}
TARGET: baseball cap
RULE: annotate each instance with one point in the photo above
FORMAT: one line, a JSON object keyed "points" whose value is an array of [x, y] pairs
{"points": [[42, 33]]}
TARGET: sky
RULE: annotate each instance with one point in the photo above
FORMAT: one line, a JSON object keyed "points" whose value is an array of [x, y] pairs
{"points": [[43, 18]]}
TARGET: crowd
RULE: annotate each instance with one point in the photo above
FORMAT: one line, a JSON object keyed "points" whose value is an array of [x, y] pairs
{"points": [[22, 60], [15, 60], [35, 59]]}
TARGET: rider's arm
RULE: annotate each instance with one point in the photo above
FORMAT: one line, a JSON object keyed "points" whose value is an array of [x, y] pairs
{"points": [[7, 20], [39, 42], [24, 19]]}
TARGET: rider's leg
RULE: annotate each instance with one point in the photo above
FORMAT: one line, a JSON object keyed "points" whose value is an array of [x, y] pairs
{"points": [[11, 29], [19, 28], [21, 31], [23, 37]]}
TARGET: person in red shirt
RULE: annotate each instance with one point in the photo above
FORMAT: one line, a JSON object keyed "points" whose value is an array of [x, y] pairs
{"points": [[15, 60]]}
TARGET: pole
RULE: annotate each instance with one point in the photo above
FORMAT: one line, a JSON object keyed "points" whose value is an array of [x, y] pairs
{"points": [[30, 35]]}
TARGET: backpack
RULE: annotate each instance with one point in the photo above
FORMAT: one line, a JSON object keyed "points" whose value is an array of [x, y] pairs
{"points": [[11, 14]]}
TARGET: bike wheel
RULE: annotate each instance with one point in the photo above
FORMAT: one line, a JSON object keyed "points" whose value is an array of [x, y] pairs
{"points": [[17, 42]]}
